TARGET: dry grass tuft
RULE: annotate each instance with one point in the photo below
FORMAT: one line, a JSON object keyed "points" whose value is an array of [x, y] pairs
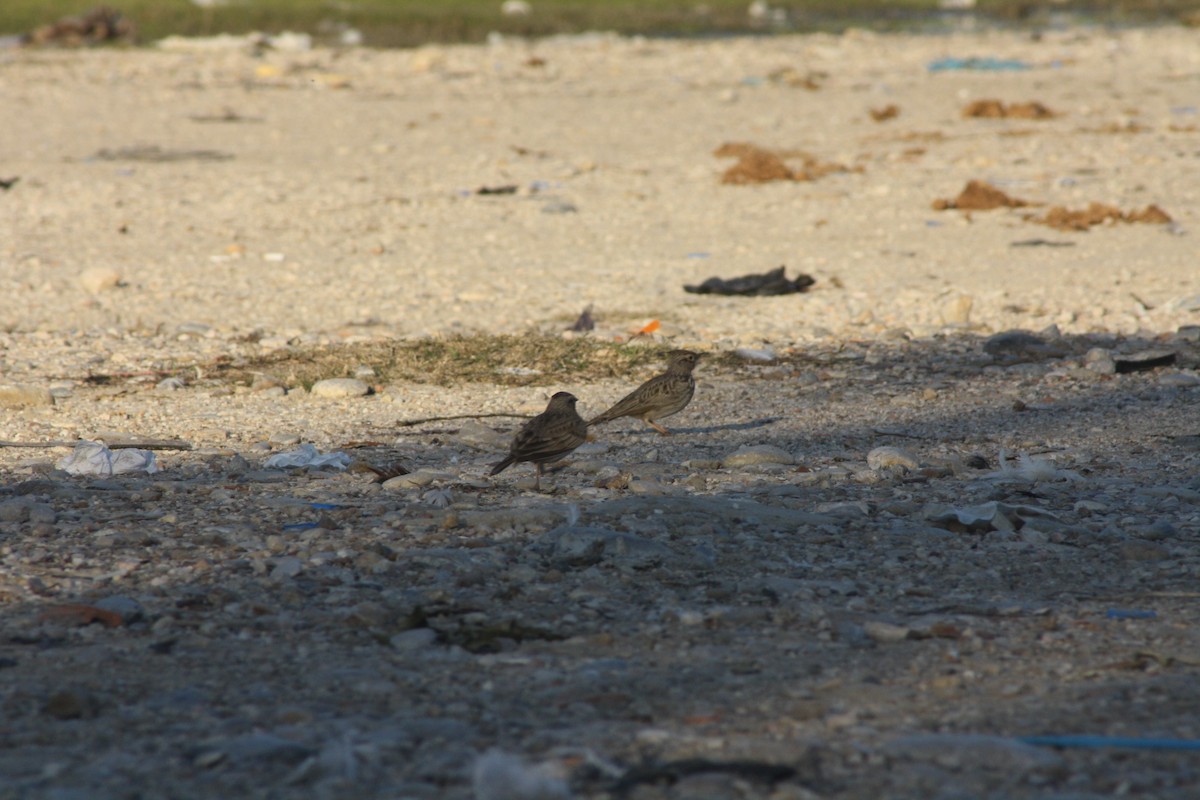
{"points": [[508, 360]]}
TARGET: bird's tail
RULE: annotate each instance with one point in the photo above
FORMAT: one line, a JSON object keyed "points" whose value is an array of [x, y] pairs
{"points": [[503, 465], [596, 420]]}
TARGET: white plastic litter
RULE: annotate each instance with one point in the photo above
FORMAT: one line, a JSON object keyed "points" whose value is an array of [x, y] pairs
{"points": [[308, 456], [95, 458]]}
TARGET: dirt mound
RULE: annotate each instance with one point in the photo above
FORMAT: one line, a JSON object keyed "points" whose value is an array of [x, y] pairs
{"points": [[980, 196], [995, 109], [1065, 219], [757, 164]]}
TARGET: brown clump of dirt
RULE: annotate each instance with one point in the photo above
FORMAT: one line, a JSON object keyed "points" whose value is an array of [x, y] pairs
{"points": [[887, 112], [759, 165], [1064, 219], [979, 196], [995, 109]]}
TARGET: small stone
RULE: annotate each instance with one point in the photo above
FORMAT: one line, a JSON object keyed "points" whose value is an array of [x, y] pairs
{"points": [[958, 310], [559, 207], [1100, 361], [413, 640], [889, 457], [129, 609], [1180, 380], [99, 279], [474, 433], [1018, 344], [14, 510], [885, 632], [1157, 531], [18, 396], [758, 454], [974, 752], [72, 704], [645, 486], [1140, 550], [763, 354], [286, 567], [340, 387], [417, 479]]}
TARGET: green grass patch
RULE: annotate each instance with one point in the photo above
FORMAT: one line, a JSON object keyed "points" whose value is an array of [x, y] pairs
{"points": [[405, 23]]}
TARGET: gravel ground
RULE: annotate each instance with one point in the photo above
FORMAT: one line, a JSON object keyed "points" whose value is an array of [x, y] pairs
{"points": [[888, 542]]}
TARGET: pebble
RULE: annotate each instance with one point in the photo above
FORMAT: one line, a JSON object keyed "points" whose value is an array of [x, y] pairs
{"points": [[417, 479], [888, 457], [413, 640], [885, 632], [67, 704], [474, 433], [577, 546], [1141, 550], [14, 510], [757, 454], [19, 396], [286, 567], [1021, 344], [765, 354], [340, 387], [559, 207], [974, 752], [1180, 380], [957, 310], [99, 279], [1100, 361], [129, 609]]}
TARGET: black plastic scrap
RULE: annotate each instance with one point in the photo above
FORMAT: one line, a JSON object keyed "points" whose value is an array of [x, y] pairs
{"points": [[761, 285]]}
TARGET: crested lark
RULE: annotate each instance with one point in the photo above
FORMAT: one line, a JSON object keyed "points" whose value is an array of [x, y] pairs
{"points": [[661, 396], [549, 436]]}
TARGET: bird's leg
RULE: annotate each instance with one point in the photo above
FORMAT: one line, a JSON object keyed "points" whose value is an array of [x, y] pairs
{"points": [[537, 478], [658, 427]]}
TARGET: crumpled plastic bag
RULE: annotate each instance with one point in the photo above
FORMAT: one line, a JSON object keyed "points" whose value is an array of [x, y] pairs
{"points": [[308, 456], [95, 458]]}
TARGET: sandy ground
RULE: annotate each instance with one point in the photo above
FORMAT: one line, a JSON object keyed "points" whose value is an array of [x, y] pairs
{"points": [[197, 202]]}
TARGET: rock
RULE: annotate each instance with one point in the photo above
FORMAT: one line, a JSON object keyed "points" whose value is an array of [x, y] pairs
{"points": [[1019, 345], [889, 457], [976, 752], [72, 704], [130, 610], [1145, 360], [578, 546], [14, 510], [256, 747], [1141, 550], [1100, 361], [757, 454], [99, 279], [1180, 380], [1157, 531], [957, 311], [764, 354], [885, 632], [559, 207], [474, 433], [413, 640], [340, 387], [286, 567], [417, 479], [18, 396]]}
